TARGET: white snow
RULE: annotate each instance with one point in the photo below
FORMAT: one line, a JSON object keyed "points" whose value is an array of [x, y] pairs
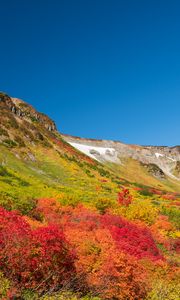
{"points": [[171, 158], [158, 155], [162, 155], [103, 152]]}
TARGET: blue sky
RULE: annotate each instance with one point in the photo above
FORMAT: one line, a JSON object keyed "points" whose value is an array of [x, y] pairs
{"points": [[100, 68]]}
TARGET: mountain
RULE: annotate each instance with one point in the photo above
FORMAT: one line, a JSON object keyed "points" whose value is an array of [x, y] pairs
{"points": [[109, 211], [37, 162], [159, 162], [166, 158], [47, 162]]}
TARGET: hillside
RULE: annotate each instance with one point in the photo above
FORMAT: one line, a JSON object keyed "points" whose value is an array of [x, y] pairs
{"points": [[153, 165], [84, 200]]}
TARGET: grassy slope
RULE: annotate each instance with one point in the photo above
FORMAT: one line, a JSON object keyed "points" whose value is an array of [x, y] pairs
{"points": [[50, 175], [133, 171], [69, 178]]}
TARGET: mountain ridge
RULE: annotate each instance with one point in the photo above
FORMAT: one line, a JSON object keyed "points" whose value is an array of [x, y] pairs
{"points": [[164, 159], [66, 135], [16, 106]]}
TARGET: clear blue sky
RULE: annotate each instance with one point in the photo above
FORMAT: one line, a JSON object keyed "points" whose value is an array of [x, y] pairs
{"points": [[100, 68]]}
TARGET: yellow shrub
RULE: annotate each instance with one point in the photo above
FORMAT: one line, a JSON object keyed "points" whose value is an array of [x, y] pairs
{"points": [[164, 291], [142, 210], [4, 286]]}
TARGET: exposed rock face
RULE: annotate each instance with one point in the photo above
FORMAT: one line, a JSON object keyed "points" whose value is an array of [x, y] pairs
{"points": [[26, 111], [155, 171], [166, 159], [177, 169]]}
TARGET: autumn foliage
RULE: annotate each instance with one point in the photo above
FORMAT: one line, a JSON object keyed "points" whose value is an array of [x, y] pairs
{"points": [[33, 258], [133, 239], [87, 251], [124, 197], [107, 249]]}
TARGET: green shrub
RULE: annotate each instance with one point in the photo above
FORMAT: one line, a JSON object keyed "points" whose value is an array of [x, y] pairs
{"points": [[29, 295], [34, 119], [173, 214], [3, 171], [10, 143], [103, 204], [4, 286], [146, 192]]}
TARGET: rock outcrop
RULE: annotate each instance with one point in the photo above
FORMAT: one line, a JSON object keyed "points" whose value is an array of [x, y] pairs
{"points": [[23, 110]]}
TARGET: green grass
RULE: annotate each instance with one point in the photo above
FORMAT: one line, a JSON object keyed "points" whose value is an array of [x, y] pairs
{"points": [[50, 175]]}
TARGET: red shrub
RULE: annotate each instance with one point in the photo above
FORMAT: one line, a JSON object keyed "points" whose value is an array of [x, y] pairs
{"points": [[175, 203], [103, 268], [136, 188], [169, 196], [155, 191], [35, 259], [131, 238], [120, 277], [124, 197], [104, 180], [49, 209]]}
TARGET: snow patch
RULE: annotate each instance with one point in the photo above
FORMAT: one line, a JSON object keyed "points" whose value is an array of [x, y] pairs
{"points": [[158, 155], [162, 155], [171, 158], [96, 152]]}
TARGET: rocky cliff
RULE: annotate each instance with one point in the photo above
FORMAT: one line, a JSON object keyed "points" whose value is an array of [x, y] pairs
{"points": [[25, 111]]}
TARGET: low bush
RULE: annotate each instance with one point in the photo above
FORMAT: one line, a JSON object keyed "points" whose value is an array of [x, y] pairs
{"points": [[36, 259]]}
